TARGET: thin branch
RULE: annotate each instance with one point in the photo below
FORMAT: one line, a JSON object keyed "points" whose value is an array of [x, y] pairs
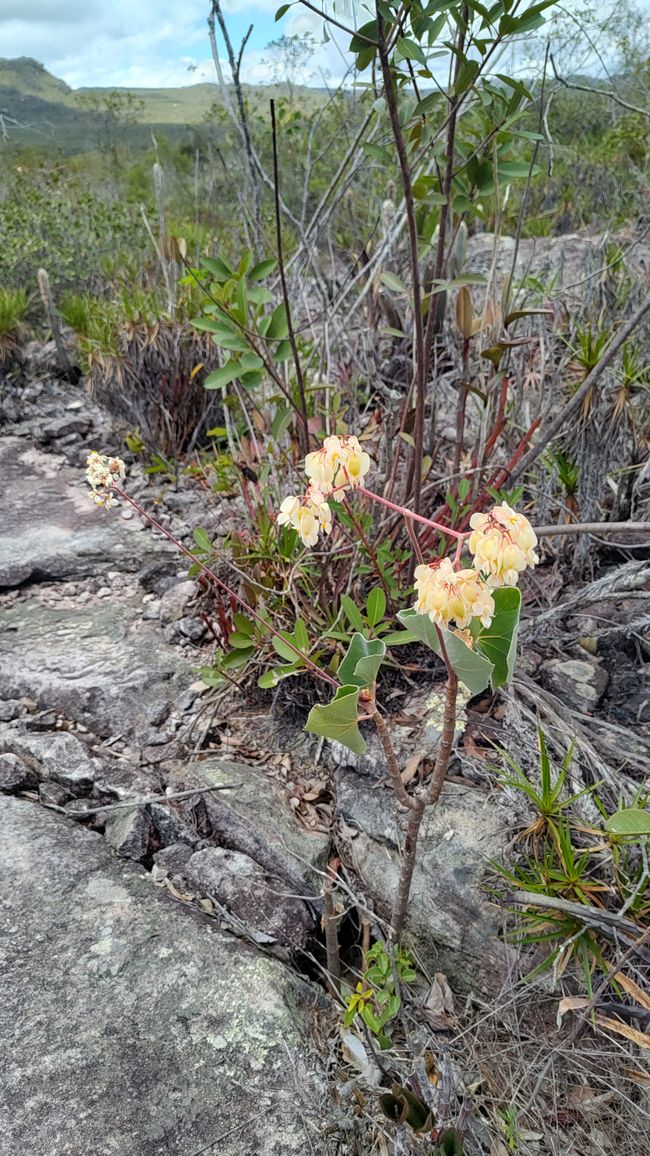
{"points": [[304, 428], [613, 96], [141, 802]]}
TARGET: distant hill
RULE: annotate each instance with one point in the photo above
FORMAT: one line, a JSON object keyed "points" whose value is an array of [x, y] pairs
{"points": [[40, 109]]}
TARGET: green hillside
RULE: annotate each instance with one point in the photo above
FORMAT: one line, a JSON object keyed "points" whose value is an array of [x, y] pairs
{"points": [[41, 110]]}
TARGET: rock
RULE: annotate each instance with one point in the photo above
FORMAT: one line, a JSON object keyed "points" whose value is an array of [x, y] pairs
{"points": [[255, 818], [179, 503], [578, 683], [51, 529], [455, 927], [57, 756], [10, 709], [174, 601], [64, 426], [191, 628], [15, 775], [147, 1031], [158, 711], [170, 828], [171, 860], [53, 794], [153, 573], [128, 832], [262, 902], [99, 665]]}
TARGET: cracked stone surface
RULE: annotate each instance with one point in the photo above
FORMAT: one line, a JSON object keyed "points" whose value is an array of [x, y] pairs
{"points": [[130, 1025], [51, 529], [100, 665]]}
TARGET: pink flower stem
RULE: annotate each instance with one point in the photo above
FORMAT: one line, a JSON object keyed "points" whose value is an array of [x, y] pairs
{"points": [[222, 586], [409, 514]]}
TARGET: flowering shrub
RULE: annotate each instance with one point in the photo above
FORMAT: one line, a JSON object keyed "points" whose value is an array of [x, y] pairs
{"points": [[339, 466], [103, 474]]}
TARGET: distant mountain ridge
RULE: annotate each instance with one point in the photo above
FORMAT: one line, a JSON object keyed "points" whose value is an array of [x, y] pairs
{"points": [[39, 107]]}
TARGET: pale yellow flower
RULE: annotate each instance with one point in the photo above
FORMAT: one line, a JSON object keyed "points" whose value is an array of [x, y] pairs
{"points": [[307, 516], [340, 465], [103, 474], [502, 543], [447, 595]]}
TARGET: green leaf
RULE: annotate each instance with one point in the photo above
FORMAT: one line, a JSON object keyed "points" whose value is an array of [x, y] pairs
{"points": [[352, 612], [219, 268], [223, 376], [473, 670], [244, 624], [239, 640], [631, 821], [281, 11], [449, 1144], [268, 681], [499, 642], [375, 606], [377, 153], [515, 170], [362, 661], [409, 50], [338, 720], [202, 539], [278, 327], [237, 658], [392, 282], [283, 351], [399, 638], [281, 647], [469, 70], [263, 268]]}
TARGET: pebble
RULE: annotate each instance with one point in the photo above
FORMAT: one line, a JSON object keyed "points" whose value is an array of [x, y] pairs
{"points": [[104, 592], [126, 513]]}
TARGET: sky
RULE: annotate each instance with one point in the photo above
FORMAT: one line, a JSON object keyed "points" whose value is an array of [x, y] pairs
{"points": [[164, 43], [151, 43]]}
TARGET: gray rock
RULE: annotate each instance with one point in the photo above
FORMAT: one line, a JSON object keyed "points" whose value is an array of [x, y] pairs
{"points": [[64, 426], [262, 902], [51, 529], [99, 665], [158, 711], [146, 1031], [152, 574], [10, 710], [179, 503], [192, 628], [129, 831], [172, 859], [58, 756], [255, 818], [450, 917], [578, 683], [175, 601], [15, 775], [170, 828], [53, 794]]}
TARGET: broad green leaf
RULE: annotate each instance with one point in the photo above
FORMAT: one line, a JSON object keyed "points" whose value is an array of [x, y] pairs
{"points": [[219, 268], [352, 612], [283, 351], [239, 640], [202, 539], [223, 376], [233, 342], [409, 50], [392, 282], [399, 638], [499, 642], [631, 821], [281, 11], [473, 670], [376, 606], [262, 270], [237, 658], [377, 153], [362, 661], [515, 170], [338, 720], [282, 648], [278, 328], [243, 623]]}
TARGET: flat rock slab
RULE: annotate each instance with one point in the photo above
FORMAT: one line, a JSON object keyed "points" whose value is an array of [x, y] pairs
{"points": [[50, 527], [450, 918], [101, 666], [130, 1027]]}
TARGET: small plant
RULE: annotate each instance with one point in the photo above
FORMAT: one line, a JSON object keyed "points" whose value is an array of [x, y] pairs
{"points": [[14, 307], [376, 999]]}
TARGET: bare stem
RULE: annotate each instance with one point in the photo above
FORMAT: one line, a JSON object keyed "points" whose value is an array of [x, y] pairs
{"points": [[391, 758], [304, 427], [420, 371]]}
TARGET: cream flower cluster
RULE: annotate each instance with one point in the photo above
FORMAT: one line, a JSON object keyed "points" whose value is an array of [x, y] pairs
{"points": [[103, 474], [502, 543], [340, 465], [447, 595]]}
